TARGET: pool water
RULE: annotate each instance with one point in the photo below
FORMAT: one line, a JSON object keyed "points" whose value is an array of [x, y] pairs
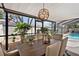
{"points": [[73, 36]]}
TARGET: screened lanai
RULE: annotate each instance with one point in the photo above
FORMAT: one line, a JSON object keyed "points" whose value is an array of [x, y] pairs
{"points": [[28, 13], [8, 25]]}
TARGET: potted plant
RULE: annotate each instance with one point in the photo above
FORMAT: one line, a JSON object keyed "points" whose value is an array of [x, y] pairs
{"points": [[50, 35], [44, 31], [22, 28], [30, 38], [47, 33]]}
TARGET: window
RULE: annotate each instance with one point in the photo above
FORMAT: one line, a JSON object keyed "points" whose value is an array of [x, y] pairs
{"points": [[2, 29]]}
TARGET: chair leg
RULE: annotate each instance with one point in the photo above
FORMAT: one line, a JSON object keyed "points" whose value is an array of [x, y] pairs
{"points": [[43, 55]]}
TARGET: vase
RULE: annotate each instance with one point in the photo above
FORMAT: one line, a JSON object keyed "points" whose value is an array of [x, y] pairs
{"points": [[22, 38]]}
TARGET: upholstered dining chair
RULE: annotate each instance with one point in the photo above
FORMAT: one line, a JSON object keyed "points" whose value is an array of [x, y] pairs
{"points": [[63, 40], [1, 51], [53, 50], [10, 53], [63, 46]]}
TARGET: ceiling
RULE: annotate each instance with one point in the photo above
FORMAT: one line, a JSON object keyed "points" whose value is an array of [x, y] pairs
{"points": [[57, 11]]}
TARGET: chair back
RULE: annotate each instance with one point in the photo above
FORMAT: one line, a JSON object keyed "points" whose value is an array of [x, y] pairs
{"points": [[1, 51], [59, 37], [53, 50], [63, 46]]}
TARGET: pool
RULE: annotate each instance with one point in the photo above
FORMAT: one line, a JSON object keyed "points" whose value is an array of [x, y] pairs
{"points": [[73, 36]]}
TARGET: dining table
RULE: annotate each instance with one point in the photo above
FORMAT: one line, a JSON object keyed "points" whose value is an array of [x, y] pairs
{"points": [[37, 48]]}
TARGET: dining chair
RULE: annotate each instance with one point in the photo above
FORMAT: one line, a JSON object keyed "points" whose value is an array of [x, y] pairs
{"points": [[3, 52], [63, 40], [63, 46], [53, 50]]}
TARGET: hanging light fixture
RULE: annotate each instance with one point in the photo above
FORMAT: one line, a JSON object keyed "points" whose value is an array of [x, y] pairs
{"points": [[43, 13]]}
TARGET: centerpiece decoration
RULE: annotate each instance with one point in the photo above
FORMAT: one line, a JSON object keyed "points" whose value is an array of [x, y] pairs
{"points": [[31, 39], [44, 31], [47, 34]]}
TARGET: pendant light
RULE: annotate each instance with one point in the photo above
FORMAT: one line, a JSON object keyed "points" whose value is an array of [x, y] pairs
{"points": [[43, 13]]}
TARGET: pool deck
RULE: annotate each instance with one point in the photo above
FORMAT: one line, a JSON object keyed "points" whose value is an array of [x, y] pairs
{"points": [[73, 47]]}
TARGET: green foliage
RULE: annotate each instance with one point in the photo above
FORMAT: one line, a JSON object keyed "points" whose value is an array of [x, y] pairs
{"points": [[44, 30], [47, 31], [75, 25], [30, 37], [1, 15], [51, 33], [22, 27]]}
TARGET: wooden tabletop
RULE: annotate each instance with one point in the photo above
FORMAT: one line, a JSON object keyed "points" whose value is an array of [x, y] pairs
{"points": [[38, 48]]}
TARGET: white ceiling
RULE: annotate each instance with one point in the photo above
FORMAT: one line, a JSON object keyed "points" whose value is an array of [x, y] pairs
{"points": [[57, 11]]}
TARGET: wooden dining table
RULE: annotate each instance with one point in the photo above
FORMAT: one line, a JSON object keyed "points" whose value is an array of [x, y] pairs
{"points": [[38, 48]]}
